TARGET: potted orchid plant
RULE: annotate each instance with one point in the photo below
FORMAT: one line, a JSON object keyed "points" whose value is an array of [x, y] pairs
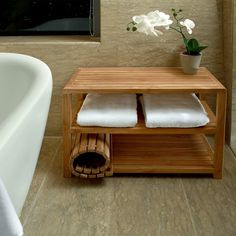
{"points": [[153, 22]]}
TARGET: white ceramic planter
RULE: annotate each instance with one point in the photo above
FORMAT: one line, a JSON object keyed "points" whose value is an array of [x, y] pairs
{"points": [[190, 63]]}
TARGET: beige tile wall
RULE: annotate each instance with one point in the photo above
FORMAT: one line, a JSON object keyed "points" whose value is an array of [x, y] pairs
{"points": [[228, 59], [121, 48], [229, 19], [233, 75]]}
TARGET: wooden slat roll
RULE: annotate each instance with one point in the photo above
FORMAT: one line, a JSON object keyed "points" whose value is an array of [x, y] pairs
{"points": [[90, 157]]}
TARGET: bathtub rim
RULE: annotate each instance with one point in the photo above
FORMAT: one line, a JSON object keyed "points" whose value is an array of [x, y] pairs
{"points": [[42, 83]]}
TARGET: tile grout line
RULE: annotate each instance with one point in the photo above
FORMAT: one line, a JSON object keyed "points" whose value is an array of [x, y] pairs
{"points": [[52, 137], [41, 185], [231, 150], [189, 209]]}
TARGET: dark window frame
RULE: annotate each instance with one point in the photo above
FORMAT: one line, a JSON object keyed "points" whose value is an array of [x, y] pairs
{"points": [[93, 23]]}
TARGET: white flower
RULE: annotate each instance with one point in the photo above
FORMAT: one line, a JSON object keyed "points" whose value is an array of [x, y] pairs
{"points": [[149, 23], [162, 19], [144, 25], [189, 24]]}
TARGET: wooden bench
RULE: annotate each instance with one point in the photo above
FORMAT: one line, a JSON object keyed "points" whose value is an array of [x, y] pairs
{"points": [[149, 150]]}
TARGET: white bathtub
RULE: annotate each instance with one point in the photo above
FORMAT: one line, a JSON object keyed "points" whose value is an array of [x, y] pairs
{"points": [[25, 94]]}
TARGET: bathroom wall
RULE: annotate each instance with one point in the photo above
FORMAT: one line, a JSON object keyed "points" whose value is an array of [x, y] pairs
{"points": [[120, 48], [234, 78], [230, 66], [228, 19]]}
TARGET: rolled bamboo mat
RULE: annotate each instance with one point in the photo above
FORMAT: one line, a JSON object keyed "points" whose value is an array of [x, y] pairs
{"points": [[91, 156]]}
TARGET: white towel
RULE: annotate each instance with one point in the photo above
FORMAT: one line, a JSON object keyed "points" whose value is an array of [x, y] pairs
{"points": [[9, 222], [108, 110], [173, 110]]}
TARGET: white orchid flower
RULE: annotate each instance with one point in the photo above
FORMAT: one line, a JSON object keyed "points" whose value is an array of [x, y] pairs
{"points": [[189, 24], [149, 23], [144, 25], [163, 19]]}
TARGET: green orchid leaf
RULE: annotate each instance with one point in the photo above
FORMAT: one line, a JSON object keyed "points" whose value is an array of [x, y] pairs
{"points": [[185, 42], [193, 47], [202, 48], [193, 44]]}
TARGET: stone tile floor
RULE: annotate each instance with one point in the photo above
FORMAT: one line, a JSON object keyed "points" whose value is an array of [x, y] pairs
{"points": [[141, 205]]}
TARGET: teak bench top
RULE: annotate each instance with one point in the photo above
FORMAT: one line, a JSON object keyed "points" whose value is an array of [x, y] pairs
{"points": [[140, 80]]}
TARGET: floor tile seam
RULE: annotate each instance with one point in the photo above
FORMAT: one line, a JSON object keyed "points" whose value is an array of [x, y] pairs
{"points": [[52, 137], [232, 151], [41, 184], [189, 208]]}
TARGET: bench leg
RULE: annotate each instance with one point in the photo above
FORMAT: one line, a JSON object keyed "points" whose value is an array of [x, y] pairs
{"points": [[220, 133], [67, 118]]}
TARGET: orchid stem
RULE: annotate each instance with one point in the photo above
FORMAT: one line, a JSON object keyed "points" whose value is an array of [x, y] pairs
{"points": [[179, 31]]}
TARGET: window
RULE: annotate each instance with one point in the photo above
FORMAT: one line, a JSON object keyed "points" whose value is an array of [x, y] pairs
{"points": [[50, 17]]}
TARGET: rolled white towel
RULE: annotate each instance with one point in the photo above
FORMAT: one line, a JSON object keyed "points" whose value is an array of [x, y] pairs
{"points": [[108, 110], [173, 110], [9, 222]]}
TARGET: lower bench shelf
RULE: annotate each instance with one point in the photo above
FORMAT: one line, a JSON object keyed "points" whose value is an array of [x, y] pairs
{"points": [[189, 153], [162, 154]]}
